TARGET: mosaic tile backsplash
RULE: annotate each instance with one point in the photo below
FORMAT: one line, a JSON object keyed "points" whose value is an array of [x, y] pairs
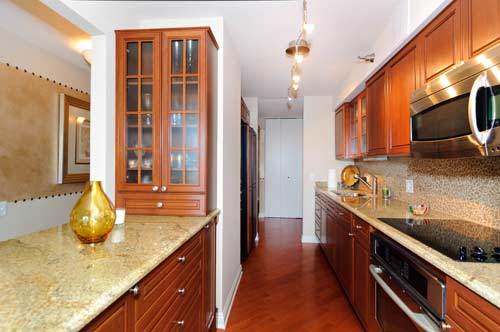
{"points": [[465, 188]]}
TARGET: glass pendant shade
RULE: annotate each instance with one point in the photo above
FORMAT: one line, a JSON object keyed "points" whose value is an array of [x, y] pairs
{"points": [[93, 215], [298, 49]]}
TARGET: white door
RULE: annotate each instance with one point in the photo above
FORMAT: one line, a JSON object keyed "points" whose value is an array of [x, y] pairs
{"points": [[283, 165]]}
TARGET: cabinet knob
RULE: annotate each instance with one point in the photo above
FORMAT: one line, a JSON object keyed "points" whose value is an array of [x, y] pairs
{"points": [[359, 227], [155, 188], [341, 213], [181, 259], [445, 326], [163, 189], [180, 322], [134, 290], [159, 205], [207, 226], [181, 291], [350, 234]]}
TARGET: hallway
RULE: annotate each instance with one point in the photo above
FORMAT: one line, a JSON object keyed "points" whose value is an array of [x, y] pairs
{"points": [[288, 286]]}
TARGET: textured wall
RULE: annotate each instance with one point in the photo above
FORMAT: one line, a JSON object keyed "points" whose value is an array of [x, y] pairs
{"points": [[465, 188], [29, 112]]}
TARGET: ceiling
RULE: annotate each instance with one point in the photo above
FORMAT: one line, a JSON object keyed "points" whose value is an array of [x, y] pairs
{"points": [[261, 31]]}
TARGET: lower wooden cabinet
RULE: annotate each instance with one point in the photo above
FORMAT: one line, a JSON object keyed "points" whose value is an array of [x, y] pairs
{"points": [[466, 311], [178, 295]]}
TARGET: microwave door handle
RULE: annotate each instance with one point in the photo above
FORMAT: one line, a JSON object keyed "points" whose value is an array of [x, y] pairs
{"points": [[481, 137], [422, 320]]}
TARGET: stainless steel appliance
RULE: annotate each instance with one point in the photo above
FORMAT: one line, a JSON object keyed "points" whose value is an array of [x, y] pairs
{"points": [[410, 294], [458, 113]]}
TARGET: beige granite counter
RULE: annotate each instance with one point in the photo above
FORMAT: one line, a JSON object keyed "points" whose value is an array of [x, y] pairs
{"points": [[481, 278], [52, 282]]}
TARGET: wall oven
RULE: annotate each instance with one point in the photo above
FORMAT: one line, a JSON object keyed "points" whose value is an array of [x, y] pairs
{"points": [[458, 114], [409, 293]]}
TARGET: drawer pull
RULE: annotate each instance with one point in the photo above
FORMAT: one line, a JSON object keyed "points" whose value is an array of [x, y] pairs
{"points": [[159, 205], [359, 227], [182, 259], [163, 189], [134, 290], [350, 234], [341, 213], [155, 188], [180, 322], [207, 226], [181, 291]]}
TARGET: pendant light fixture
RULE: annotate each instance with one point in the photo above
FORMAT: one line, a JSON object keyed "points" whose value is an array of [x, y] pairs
{"points": [[299, 49]]}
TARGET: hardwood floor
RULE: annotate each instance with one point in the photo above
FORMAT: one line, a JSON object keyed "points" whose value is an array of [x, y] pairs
{"points": [[288, 286]]}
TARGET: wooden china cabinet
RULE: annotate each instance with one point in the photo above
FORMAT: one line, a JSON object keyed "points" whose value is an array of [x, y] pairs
{"points": [[165, 103]]}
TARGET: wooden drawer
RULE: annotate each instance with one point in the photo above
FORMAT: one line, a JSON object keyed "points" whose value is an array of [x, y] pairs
{"points": [[163, 204], [160, 287], [362, 231], [468, 311]]}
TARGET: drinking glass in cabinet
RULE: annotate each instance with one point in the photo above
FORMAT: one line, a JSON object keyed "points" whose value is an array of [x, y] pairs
{"points": [[177, 94], [131, 167], [192, 56], [146, 176], [177, 48], [132, 58], [147, 58], [192, 94], [176, 131], [146, 94], [132, 95], [176, 120], [147, 120]]}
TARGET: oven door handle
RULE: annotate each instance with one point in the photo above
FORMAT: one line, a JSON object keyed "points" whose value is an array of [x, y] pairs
{"points": [[422, 320]]}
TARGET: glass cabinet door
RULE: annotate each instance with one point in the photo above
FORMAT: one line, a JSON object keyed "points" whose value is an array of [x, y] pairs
{"points": [[184, 112], [139, 148], [354, 130], [363, 124]]}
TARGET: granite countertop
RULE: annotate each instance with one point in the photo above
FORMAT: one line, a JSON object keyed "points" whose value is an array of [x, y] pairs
{"points": [[52, 282], [482, 278]]}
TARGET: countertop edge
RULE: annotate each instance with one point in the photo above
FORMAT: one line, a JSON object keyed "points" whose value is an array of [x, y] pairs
{"points": [[462, 276]]}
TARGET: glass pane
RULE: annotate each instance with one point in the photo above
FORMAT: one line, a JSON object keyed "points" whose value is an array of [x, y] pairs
{"points": [[147, 120], [132, 160], [176, 131], [146, 137], [132, 137], [131, 176], [176, 167], [177, 94], [177, 46], [192, 161], [132, 58], [146, 177], [191, 137], [192, 56], [192, 94], [363, 124], [191, 177], [132, 95], [147, 161], [192, 120], [132, 121], [363, 106], [147, 58], [363, 143], [146, 94]]}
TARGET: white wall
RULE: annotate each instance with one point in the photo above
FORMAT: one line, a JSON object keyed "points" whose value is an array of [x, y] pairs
{"points": [[319, 154]]}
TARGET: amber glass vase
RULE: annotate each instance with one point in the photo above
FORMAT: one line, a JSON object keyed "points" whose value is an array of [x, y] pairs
{"points": [[93, 216]]}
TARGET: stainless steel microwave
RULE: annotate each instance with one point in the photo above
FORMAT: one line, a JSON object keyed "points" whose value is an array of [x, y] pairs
{"points": [[458, 113]]}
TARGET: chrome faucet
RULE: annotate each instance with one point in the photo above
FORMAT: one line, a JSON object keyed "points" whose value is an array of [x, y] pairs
{"points": [[373, 186]]}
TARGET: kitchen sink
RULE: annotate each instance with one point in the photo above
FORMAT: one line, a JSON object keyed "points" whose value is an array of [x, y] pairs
{"points": [[349, 193]]}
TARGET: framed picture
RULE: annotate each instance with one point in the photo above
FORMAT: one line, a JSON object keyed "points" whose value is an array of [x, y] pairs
{"points": [[74, 140]]}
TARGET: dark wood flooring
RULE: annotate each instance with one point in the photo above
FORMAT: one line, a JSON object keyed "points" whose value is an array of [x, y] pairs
{"points": [[289, 286]]}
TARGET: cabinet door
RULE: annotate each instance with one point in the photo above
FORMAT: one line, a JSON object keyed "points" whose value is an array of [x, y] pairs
{"points": [[340, 146], [353, 136], [403, 80], [345, 259], [184, 110], [481, 25], [441, 42], [138, 115], [363, 123], [376, 114], [209, 248], [117, 318], [361, 281]]}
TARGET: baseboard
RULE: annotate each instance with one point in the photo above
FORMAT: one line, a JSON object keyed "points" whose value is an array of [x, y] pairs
{"points": [[223, 315], [262, 215], [309, 239]]}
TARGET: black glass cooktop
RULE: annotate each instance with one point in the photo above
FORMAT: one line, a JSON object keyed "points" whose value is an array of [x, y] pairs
{"points": [[458, 239]]}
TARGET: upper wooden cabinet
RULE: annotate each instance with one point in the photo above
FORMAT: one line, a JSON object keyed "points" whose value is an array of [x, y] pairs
{"points": [[164, 102], [341, 118], [376, 96], [481, 25], [356, 143], [441, 43], [403, 79]]}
